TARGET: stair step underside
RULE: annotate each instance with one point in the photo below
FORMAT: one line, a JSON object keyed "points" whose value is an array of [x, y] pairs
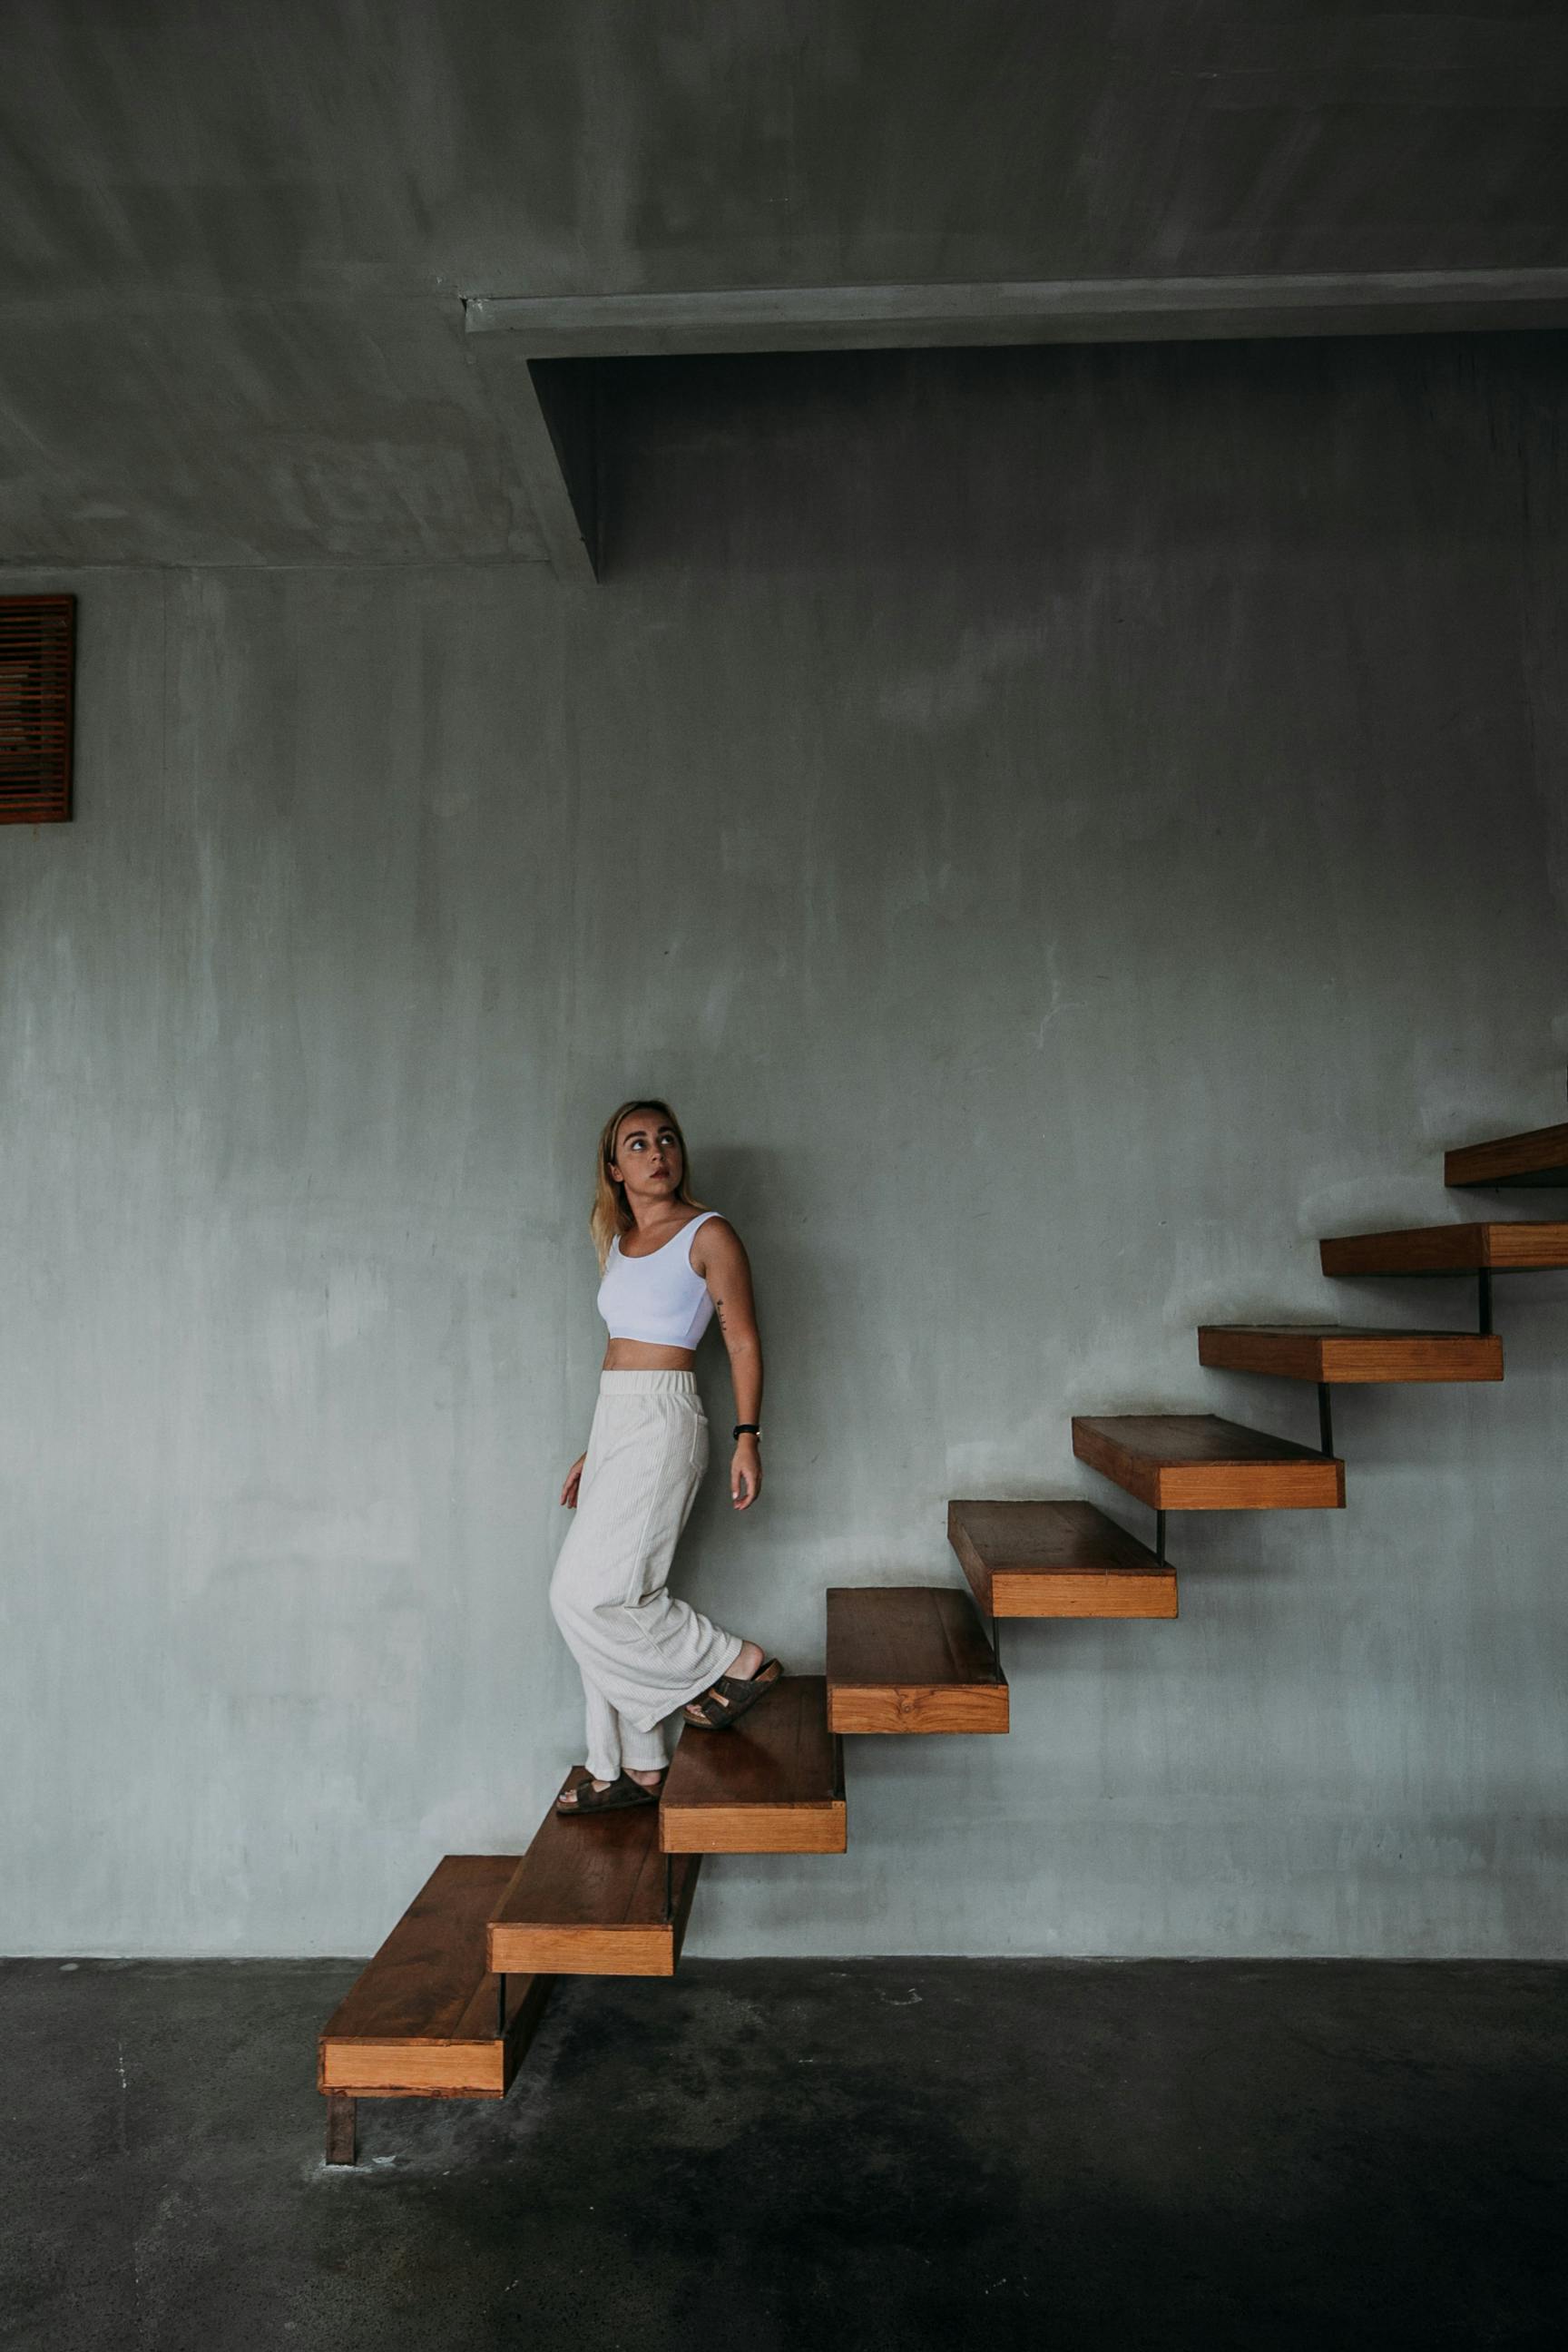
{"points": [[1337, 1352], [422, 2019], [910, 1658], [1527, 1244], [772, 1785], [588, 1898], [1539, 1157], [1057, 1560], [1195, 1461]]}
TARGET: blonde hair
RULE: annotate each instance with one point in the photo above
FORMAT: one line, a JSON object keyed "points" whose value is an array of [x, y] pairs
{"points": [[611, 1215]]}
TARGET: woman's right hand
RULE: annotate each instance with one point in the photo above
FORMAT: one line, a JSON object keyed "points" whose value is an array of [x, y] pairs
{"points": [[574, 1480]]}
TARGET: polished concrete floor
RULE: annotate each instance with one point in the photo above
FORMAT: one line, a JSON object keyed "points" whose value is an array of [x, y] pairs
{"points": [[841, 2157]]}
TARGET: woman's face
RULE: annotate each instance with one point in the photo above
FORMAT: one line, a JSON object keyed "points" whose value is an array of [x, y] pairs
{"points": [[648, 1159]]}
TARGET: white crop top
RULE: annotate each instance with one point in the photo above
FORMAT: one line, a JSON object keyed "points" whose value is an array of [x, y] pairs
{"points": [[662, 1300]]}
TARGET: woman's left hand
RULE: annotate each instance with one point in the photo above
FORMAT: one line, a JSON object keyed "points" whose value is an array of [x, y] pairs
{"points": [[745, 1472]]}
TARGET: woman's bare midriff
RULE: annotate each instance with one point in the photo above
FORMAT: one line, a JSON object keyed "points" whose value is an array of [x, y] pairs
{"points": [[640, 1356]]}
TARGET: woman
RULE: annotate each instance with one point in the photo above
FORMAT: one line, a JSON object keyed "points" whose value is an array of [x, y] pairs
{"points": [[669, 1266]]}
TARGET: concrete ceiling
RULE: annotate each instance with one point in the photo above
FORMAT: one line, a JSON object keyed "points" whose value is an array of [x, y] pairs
{"points": [[236, 240]]}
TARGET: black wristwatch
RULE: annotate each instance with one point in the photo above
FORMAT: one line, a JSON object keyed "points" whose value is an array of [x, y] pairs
{"points": [[747, 1428]]}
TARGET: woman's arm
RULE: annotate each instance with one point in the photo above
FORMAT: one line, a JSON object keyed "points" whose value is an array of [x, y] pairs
{"points": [[719, 1258]]}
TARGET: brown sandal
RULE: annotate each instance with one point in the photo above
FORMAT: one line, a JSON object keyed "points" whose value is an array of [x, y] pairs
{"points": [[623, 1790], [727, 1700]]}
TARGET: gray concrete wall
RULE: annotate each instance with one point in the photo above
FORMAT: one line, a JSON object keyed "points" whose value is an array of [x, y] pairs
{"points": [[1067, 830]]}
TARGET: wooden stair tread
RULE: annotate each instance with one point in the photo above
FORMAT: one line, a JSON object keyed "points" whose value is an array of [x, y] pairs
{"points": [[1195, 1461], [1340, 1352], [772, 1785], [423, 2019], [1057, 1560], [1527, 1243], [910, 1657], [588, 1898], [1540, 1157]]}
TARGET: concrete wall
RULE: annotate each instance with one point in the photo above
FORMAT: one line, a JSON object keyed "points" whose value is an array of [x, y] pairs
{"points": [[1066, 829]]}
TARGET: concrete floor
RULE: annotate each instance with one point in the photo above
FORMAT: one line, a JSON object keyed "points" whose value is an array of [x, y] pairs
{"points": [[880, 2154]]}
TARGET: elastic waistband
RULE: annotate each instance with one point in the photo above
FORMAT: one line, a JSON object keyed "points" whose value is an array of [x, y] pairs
{"points": [[649, 1384]]}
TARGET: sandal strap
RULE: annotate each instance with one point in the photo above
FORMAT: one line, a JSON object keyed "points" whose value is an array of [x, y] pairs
{"points": [[586, 1799], [733, 1694]]}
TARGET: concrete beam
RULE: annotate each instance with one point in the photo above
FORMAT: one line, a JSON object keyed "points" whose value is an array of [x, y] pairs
{"points": [[866, 318]]}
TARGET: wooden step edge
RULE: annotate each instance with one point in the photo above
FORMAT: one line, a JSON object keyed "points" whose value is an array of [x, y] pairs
{"points": [[1383, 1359], [1313, 1485], [822, 1828], [919, 1707], [1017, 1594]]}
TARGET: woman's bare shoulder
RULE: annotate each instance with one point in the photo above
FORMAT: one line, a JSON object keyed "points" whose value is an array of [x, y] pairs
{"points": [[715, 1241]]}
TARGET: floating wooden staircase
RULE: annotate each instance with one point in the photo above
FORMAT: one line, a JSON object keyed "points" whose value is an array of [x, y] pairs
{"points": [[1540, 1157], [1057, 1560], [772, 1785], [594, 1899], [1525, 1245], [1530, 1245], [448, 2006], [1195, 1461], [428, 2018], [910, 1657]]}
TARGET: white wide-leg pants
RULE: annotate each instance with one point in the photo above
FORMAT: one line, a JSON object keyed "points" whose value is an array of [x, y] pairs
{"points": [[642, 1653]]}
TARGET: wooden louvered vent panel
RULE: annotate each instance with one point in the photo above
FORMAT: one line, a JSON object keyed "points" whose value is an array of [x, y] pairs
{"points": [[38, 636]]}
